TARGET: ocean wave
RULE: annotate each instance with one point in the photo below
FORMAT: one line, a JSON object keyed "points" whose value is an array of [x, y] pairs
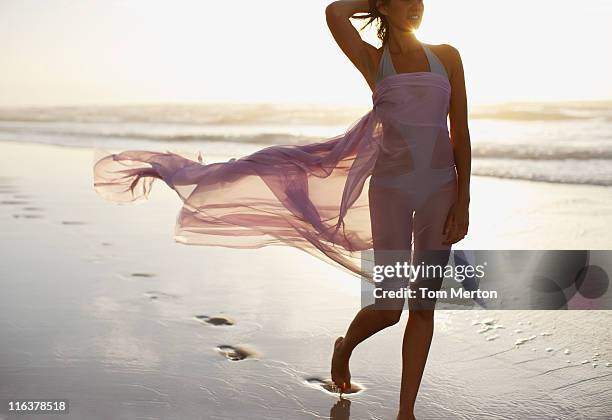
{"points": [[527, 116], [289, 114], [566, 171], [257, 138], [207, 114], [593, 149], [554, 111], [543, 152]]}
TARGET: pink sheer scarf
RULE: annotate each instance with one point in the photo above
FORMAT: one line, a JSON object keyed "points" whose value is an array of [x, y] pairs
{"points": [[312, 197]]}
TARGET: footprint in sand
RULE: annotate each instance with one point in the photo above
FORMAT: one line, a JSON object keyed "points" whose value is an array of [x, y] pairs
{"points": [[145, 275], [328, 386], [215, 320], [235, 353]]}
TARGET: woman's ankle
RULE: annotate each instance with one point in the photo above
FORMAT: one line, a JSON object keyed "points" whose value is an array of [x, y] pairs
{"points": [[405, 415]]}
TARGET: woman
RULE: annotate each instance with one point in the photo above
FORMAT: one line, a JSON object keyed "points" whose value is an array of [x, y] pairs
{"points": [[412, 176], [311, 196]]}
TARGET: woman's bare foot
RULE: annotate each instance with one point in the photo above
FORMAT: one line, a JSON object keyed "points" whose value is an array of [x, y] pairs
{"points": [[340, 373]]}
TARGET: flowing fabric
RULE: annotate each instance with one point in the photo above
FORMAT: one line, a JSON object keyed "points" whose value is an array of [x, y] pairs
{"points": [[314, 196]]}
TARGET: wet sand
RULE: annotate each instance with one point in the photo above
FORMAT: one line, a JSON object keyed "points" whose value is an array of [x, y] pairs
{"points": [[101, 307]]}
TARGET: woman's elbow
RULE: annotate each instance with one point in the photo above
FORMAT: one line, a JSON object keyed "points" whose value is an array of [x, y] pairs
{"points": [[331, 9]]}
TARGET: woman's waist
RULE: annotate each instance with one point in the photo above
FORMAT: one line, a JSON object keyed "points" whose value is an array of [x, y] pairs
{"points": [[407, 163], [419, 180], [414, 172]]}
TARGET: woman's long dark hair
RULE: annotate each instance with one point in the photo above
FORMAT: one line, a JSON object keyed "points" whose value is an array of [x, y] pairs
{"points": [[383, 26]]}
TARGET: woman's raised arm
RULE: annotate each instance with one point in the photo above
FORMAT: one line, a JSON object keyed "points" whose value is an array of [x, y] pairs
{"points": [[338, 14]]}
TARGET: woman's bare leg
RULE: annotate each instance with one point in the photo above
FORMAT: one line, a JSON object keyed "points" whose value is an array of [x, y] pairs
{"points": [[428, 249], [391, 230], [366, 323], [415, 349]]}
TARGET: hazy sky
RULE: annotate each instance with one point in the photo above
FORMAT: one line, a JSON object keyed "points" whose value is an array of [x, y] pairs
{"points": [[147, 51]]}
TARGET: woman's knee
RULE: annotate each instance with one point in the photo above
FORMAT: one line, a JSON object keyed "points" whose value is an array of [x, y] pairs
{"points": [[390, 316]]}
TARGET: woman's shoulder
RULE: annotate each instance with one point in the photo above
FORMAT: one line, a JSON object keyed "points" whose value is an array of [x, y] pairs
{"points": [[445, 50], [448, 54]]}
